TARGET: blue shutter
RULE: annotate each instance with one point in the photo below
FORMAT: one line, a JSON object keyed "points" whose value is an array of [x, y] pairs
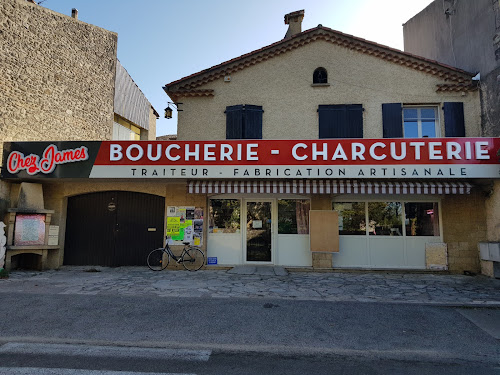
{"points": [[252, 122], [355, 121], [234, 122], [392, 120], [454, 124], [340, 121]]}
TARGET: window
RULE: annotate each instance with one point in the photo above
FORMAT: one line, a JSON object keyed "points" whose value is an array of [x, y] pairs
{"points": [[341, 121], [422, 219], [224, 216], [351, 218], [420, 122], [124, 130], [244, 122], [320, 76], [293, 216], [384, 219]]}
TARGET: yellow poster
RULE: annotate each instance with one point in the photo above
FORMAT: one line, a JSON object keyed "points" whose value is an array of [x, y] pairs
{"points": [[174, 227]]}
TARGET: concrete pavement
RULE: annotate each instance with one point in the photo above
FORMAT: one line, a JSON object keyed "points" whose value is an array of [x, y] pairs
{"points": [[388, 287]]}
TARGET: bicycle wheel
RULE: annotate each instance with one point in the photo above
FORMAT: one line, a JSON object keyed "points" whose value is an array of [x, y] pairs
{"points": [[158, 259], [193, 259]]}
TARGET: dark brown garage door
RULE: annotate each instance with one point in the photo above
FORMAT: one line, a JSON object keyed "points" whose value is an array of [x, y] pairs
{"points": [[113, 228]]}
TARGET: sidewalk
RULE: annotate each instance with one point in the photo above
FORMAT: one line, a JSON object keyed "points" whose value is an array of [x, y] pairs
{"points": [[387, 287]]}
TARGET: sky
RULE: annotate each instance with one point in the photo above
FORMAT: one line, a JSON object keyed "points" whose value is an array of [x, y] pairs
{"points": [[161, 41]]}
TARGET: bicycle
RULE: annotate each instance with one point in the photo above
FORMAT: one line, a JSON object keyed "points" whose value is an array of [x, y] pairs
{"points": [[192, 258]]}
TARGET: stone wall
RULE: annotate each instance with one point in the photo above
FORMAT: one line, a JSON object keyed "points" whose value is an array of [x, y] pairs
{"points": [[57, 75], [464, 226]]}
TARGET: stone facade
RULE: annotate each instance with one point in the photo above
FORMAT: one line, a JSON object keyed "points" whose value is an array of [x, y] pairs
{"points": [[57, 75], [464, 226]]}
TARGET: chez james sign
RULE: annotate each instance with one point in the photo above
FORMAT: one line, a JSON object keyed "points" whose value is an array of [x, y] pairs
{"points": [[347, 158]]}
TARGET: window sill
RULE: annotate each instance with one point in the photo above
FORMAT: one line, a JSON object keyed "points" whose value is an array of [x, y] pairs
{"points": [[320, 85]]}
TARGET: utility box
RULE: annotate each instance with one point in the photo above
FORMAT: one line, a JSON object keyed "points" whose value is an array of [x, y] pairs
{"points": [[489, 251]]}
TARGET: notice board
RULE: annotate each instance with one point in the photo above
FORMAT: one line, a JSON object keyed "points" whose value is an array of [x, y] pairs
{"points": [[324, 230]]}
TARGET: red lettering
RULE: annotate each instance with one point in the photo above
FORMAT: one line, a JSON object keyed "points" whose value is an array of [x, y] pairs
{"points": [[51, 157]]}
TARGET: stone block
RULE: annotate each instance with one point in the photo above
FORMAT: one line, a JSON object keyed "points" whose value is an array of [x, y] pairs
{"points": [[322, 260], [436, 256]]}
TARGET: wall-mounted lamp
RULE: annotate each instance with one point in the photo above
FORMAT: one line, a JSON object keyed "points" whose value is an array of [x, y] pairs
{"points": [[169, 111]]}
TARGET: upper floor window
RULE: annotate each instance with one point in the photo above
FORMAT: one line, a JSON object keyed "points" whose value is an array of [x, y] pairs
{"points": [[320, 76], [244, 121], [420, 122], [341, 121], [124, 130]]}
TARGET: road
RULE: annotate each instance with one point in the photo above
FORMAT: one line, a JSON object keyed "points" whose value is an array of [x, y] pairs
{"points": [[240, 335]]}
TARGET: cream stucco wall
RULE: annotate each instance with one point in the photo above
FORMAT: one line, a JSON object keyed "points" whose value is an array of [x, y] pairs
{"points": [[56, 197], [282, 85]]}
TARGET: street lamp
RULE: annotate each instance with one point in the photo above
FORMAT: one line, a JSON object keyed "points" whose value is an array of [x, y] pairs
{"points": [[169, 111]]}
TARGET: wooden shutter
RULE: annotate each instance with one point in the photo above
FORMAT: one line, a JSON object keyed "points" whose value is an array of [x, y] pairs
{"points": [[355, 121], [234, 122], [454, 124], [252, 122], [392, 120], [340, 121]]}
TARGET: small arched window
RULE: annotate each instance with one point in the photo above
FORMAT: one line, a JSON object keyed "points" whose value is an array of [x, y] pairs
{"points": [[320, 76]]}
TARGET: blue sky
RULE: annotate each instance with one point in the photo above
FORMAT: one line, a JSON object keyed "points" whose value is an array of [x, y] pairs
{"points": [[160, 41]]}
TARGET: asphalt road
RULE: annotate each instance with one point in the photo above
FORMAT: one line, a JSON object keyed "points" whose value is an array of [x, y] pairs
{"points": [[254, 336]]}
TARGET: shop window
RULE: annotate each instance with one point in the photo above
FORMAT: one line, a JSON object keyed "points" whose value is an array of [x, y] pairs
{"points": [[420, 122], [340, 121], [244, 122], [320, 76], [293, 216], [351, 218], [224, 216], [385, 219], [422, 219]]}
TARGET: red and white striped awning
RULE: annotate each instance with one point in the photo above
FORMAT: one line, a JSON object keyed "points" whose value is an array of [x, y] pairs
{"points": [[326, 187]]}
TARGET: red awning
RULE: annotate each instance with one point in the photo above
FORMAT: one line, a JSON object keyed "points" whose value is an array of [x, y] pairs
{"points": [[327, 187]]}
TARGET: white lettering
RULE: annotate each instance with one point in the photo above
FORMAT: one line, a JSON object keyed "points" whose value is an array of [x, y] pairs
{"points": [[393, 151], [294, 151], [225, 152], [158, 152], [251, 154], [482, 154], [168, 155], [357, 151], [207, 154], [372, 151], [339, 153], [433, 153], [417, 146], [468, 151], [195, 153], [453, 150], [316, 152], [115, 152], [139, 154]]}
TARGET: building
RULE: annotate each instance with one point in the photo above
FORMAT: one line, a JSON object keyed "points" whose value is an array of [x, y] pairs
{"points": [[321, 150], [465, 34], [61, 80]]}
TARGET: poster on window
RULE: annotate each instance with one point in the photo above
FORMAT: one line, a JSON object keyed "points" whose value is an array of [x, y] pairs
{"points": [[29, 230], [185, 224]]}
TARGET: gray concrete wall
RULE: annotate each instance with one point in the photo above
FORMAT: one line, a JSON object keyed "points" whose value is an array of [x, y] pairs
{"points": [[464, 34], [463, 38], [490, 104]]}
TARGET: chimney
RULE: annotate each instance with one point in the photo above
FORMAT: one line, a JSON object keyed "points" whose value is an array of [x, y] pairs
{"points": [[74, 13], [294, 22]]}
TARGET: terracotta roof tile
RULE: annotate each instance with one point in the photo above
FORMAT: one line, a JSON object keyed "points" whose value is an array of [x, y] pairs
{"points": [[441, 70]]}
